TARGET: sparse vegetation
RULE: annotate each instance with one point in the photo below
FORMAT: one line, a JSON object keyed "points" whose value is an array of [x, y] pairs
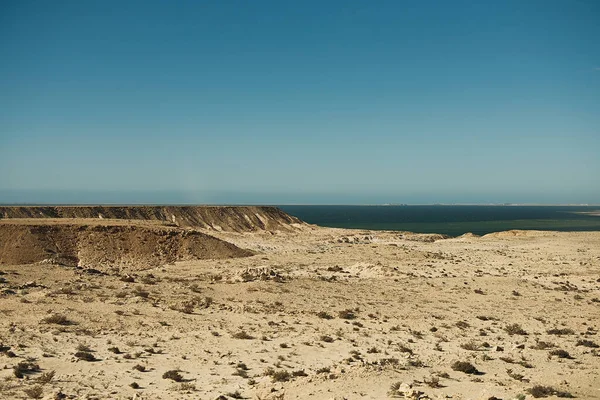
{"points": [[174, 375], [281, 375], [46, 377], [85, 355], [242, 335], [347, 314], [25, 368], [547, 391], [472, 346], [587, 343], [515, 329], [84, 347], [466, 367], [57, 319], [560, 331], [326, 339], [561, 353], [324, 315], [541, 345]]}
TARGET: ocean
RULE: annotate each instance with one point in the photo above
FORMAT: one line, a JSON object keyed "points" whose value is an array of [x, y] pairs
{"points": [[450, 220]]}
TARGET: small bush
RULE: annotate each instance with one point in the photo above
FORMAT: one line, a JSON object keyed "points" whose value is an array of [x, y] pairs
{"points": [[23, 368], [281, 376], [466, 367], [85, 355], [587, 343], [57, 319], [561, 354], [324, 315], [515, 329], [541, 345], [472, 346], [547, 391], [127, 278], [242, 335], [84, 347], [326, 339], [560, 331], [173, 375], [347, 314]]}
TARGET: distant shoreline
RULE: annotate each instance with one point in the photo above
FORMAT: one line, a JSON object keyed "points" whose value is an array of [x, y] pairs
{"points": [[590, 213]]}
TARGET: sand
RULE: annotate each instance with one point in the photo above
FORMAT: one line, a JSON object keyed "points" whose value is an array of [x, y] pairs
{"points": [[313, 313]]}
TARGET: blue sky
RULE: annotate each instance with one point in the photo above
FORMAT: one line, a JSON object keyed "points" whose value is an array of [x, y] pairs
{"points": [[300, 102]]}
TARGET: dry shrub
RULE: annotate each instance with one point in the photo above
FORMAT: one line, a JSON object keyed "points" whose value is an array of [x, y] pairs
{"points": [[515, 329], [466, 367], [347, 314], [547, 391], [324, 315], [85, 356], [560, 331], [173, 375], [24, 368], [57, 319], [242, 335]]}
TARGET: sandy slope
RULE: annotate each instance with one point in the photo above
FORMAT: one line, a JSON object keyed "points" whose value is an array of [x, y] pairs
{"points": [[356, 311]]}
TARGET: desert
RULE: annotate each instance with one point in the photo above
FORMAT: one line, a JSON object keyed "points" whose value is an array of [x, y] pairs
{"points": [[249, 302]]}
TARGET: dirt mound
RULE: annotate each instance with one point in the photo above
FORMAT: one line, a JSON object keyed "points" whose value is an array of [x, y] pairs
{"points": [[219, 218], [105, 246]]}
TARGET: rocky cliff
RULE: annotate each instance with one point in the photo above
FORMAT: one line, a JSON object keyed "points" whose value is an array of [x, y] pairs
{"points": [[220, 218]]}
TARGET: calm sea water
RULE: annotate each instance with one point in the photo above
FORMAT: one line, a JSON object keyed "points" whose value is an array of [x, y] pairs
{"points": [[450, 220]]}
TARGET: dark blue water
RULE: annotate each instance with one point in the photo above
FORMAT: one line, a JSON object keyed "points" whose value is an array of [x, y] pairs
{"points": [[450, 220]]}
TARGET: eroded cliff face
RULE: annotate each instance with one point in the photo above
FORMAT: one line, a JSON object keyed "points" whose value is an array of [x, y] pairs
{"points": [[106, 246], [220, 218]]}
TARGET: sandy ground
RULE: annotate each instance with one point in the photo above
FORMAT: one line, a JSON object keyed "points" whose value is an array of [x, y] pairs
{"points": [[315, 314]]}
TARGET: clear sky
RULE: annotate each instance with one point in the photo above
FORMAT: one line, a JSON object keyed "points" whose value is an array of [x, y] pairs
{"points": [[300, 101]]}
